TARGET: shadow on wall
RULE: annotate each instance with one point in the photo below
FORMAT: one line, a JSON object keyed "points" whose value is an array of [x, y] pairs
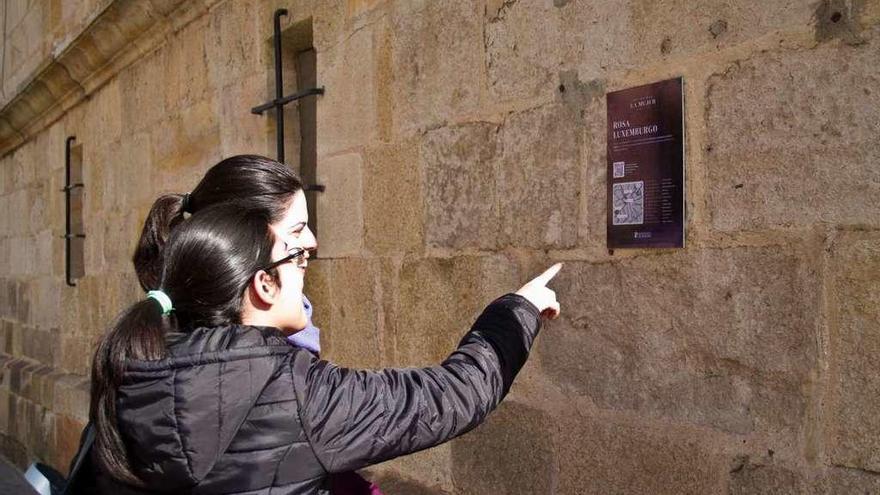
{"points": [[511, 453], [390, 484]]}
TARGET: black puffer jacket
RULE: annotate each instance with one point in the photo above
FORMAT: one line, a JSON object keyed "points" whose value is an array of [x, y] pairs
{"points": [[238, 410]]}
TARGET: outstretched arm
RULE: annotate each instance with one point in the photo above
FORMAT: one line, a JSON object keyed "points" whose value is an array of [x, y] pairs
{"points": [[354, 418]]}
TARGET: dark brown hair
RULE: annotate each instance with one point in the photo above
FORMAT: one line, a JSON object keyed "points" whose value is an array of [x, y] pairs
{"points": [[254, 182]]}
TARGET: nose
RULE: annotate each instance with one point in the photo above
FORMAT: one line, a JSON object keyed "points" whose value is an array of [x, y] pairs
{"points": [[309, 242]]}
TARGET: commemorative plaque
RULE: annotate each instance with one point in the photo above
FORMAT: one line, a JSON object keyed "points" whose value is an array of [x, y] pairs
{"points": [[646, 166]]}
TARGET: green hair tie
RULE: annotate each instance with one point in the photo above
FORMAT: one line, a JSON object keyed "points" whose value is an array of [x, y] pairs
{"points": [[163, 300]]}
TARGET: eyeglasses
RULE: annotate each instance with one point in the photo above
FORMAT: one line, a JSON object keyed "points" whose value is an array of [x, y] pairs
{"points": [[291, 255]]}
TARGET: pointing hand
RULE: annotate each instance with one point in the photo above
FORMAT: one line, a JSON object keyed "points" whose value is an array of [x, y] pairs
{"points": [[537, 293]]}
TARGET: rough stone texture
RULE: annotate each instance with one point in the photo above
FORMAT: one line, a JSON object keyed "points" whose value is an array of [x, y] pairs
{"points": [[784, 153], [515, 435], [240, 131], [601, 456], [351, 336], [429, 471], [347, 112], [392, 199], [340, 207], [437, 54], [607, 36], [539, 178], [523, 40], [439, 298], [144, 104], [459, 186], [848, 482], [754, 478], [855, 345], [233, 44], [722, 338], [67, 435]]}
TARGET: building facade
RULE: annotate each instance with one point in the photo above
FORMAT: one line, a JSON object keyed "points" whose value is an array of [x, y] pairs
{"points": [[462, 148]]}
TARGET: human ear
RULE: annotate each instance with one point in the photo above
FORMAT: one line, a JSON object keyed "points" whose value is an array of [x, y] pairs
{"points": [[265, 288]]}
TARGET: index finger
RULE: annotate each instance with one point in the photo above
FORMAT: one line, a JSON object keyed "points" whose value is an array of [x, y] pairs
{"points": [[548, 275]]}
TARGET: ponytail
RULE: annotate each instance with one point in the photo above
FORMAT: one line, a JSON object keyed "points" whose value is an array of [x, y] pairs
{"points": [[138, 333], [165, 214]]}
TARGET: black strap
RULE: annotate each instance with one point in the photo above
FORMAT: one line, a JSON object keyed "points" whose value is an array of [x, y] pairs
{"points": [[85, 450]]}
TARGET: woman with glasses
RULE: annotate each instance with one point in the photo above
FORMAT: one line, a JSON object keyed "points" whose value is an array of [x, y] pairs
{"points": [[195, 389]]}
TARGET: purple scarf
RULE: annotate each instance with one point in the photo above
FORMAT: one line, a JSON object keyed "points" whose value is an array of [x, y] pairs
{"points": [[310, 336]]}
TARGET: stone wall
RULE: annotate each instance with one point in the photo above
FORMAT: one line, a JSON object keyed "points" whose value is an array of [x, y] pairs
{"points": [[462, 145]]}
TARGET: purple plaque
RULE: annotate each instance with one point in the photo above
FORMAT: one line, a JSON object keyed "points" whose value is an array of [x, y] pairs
{"points": [[646, 166]]}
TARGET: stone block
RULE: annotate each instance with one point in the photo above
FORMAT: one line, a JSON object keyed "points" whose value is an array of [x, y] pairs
{"points": [[847, 482], [44, 296], [40, 345], [439, 299], [609, 36], [599, 456], [67, 435], [105, 118], [72, 396], [7, 295], [512, 452], [783, 153], [317, 289], [854, 426], [4, 409], [15, 343], [352, 336], [539, 179], [523, 41], [720, 338], [41, 432], [234, 49], [76, 353], [14, 451], [184, 59], [393, 199], [241, 132], [459, 186], [389, 317], [44, 250], [346, 113], [143, 92], [23, 264], [13, 338], [5, 336], [185, 145], [340, 207], [438, 62], [752, 478]]}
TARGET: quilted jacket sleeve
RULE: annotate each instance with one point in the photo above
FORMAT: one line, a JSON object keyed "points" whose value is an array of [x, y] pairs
{"points": [[354, 418]]}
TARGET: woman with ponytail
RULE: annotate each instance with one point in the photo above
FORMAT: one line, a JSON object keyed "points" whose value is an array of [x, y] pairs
{"points": [[196, 389], [255, 183]]}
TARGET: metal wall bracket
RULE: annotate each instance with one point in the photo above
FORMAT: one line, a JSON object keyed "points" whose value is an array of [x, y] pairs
{"points": [[280, 100], [68, 187]]}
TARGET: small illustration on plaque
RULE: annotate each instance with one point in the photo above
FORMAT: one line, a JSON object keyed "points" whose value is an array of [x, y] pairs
{"points": [[629, 203], [646, 166]]}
